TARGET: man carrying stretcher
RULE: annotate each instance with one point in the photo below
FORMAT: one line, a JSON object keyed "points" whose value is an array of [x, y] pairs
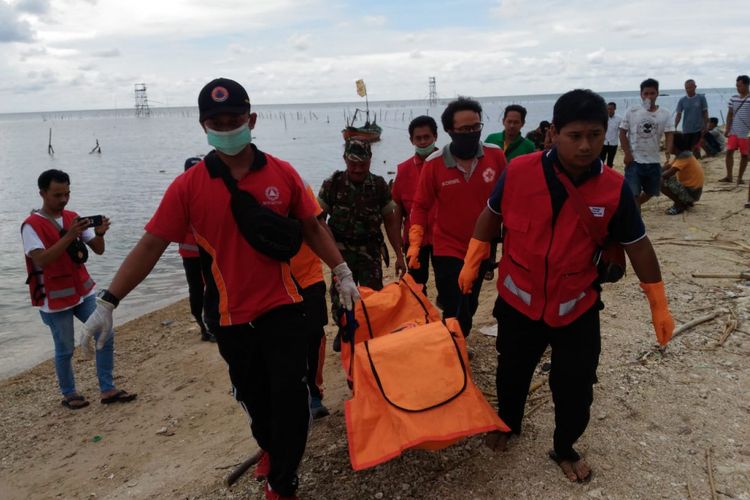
{"points": [[548, 283]]}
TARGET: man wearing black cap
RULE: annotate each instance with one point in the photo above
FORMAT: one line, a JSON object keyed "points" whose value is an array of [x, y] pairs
{"points": [[357, 202], [251, 302]]}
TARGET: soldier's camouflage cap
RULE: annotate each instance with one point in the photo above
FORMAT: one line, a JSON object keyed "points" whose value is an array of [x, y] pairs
{"points": [[357, 150]]}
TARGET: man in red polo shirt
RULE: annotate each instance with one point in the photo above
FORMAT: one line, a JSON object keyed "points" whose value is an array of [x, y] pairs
{"points": [[457, 179], [251, 303], [422, 134]]}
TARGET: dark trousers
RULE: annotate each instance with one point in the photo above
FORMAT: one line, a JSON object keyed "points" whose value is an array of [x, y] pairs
{"points": [[608, 155], [420, 275], [267, 366], [521, 342], [196, 287], [710, 144], [316, 317], [453, 302]]}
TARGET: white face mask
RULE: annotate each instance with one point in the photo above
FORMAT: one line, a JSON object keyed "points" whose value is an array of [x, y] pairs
{"points": [[646, 103]]}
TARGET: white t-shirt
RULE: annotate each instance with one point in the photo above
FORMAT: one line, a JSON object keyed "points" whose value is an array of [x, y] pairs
{"points": [[31, 241], [645, 129], [612, 138]]}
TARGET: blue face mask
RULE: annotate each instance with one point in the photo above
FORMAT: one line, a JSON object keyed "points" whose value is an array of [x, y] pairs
{"points": [[230, 142]]}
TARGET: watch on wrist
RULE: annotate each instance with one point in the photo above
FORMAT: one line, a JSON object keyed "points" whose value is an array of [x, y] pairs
{"points": [[108, 297]]}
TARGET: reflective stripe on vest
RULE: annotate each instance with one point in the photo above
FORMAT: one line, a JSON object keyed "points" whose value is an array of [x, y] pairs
{"points": [[568, 306], [58, 294], [88, 284], [188, 247], [521, 294]]}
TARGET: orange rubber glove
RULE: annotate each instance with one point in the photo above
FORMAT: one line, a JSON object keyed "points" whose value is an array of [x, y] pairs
{"points": [[416, 233], [660, 315], [478, 251]]}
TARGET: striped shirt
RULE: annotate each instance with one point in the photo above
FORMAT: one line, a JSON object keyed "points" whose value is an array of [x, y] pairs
{"points": [[740, 108]]}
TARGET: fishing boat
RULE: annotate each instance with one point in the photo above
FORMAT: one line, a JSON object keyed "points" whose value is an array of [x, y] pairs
{"points": [[370, 131]]}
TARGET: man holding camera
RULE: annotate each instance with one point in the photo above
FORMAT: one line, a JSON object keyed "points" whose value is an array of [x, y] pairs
{"points": [[251, 302], [54, 243]]}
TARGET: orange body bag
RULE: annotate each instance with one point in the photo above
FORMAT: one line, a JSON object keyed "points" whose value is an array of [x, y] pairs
{"points": [[413, 389], [397, 306]]}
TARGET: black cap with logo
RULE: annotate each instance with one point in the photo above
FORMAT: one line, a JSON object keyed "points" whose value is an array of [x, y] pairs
{"points": [[222, 95]]}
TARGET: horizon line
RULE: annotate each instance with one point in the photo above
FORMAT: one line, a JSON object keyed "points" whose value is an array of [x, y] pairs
{"points": [[439, 99]]}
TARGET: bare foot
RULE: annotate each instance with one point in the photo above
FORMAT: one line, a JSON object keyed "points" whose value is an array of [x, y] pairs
{"points": [[576, 472], [725, 179], [497, 441]]}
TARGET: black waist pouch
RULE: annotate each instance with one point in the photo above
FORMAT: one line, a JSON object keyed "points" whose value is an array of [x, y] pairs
{"points": [[269, 233]]}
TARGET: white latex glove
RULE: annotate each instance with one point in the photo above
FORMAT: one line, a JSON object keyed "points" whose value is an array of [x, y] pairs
{"points": [[345, 285], [99, 322]]}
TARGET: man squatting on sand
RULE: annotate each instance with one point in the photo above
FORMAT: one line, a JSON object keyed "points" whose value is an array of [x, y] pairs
{"points": [[548, 286], [251, 302]]}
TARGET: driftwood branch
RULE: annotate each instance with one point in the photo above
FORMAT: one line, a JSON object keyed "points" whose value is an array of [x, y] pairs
{"points": [[697, 321], [242, 468], [710, 468], [730, 214], [745, 275], [704, 244], [729, 327]]}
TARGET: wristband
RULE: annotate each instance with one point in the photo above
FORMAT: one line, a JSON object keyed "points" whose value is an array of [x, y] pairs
{"points": [[108, 297]]}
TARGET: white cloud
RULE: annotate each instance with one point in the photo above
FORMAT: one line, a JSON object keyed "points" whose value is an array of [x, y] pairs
{"points": [[375, 21], [299, 42], [507, 8], [568, 29], [596, 57], [35, 7], [313, 50], [107, 53], [12, 27]]}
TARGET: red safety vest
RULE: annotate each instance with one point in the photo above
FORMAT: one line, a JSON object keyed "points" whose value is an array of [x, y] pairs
{"points": [[64, 281], [547, 269]]}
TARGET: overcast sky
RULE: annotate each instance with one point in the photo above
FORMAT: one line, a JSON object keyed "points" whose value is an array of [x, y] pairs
{"points": [[87, 54]]}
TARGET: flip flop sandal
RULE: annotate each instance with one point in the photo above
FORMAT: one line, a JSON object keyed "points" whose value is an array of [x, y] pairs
{"points": [[725, 179], [119, 397], [553, 456], [69, 402]]}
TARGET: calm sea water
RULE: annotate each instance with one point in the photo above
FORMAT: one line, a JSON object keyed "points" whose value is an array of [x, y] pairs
{"points": [[140, 157]]}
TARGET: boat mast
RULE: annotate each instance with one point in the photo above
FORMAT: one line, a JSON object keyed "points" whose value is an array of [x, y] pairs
{"points": [[367, 108]]}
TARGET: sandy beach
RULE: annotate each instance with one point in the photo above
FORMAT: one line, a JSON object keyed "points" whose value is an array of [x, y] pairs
{"points": [[671, 424]]}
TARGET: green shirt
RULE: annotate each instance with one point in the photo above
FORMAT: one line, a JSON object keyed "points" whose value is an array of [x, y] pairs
{"points": [[520, 146]]}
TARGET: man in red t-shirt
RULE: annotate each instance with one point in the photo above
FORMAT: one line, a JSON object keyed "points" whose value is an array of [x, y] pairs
{"points": [[456, 179], [251, 302], [422, 134]]}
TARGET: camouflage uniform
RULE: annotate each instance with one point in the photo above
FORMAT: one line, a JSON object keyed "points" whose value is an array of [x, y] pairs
{"points": [[355, 216]]}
